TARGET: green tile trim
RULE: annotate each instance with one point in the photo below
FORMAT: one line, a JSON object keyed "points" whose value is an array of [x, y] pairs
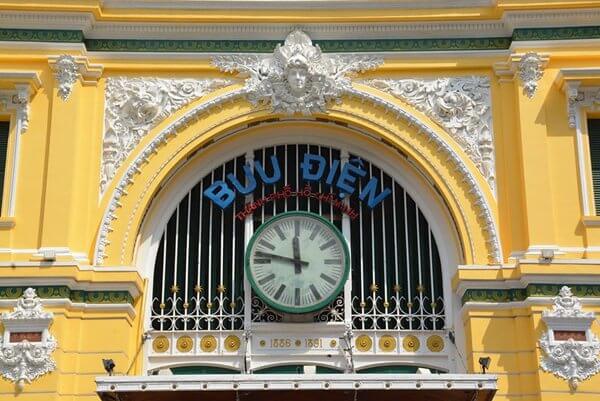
{"points": [[88, 297], [267, 46], [40, 35], [532, 290], [578, 32]]}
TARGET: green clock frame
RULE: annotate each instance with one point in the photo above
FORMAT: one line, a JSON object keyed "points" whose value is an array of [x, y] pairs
{"points": [[304, 309]]}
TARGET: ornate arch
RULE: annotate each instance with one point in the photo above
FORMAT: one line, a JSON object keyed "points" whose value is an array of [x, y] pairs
{"points": [[268, 90]]}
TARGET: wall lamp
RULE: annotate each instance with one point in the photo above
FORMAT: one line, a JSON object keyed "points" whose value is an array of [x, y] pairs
{"points": [[484, 362]]}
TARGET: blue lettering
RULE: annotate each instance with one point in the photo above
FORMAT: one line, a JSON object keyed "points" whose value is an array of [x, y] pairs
{"points": [[348, 177], [308, 163], [251, 182], [369, 190], [276, 171], [332, 171], [220, 194]]}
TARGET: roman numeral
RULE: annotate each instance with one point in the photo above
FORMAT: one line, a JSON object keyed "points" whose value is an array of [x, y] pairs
{"points": [[279, 292], [279, 232], [314, 233], [297, 296], [327, 244], [266, 244], [333, 261], [330, 280], [313, 289], [261, 261], [297, 228], [266, 279]]}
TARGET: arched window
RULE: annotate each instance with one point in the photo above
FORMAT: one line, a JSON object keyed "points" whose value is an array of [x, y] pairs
{"points": [[395, 282]]}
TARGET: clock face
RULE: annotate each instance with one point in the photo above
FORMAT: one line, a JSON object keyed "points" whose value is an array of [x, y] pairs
{"points": [[297, 262]]}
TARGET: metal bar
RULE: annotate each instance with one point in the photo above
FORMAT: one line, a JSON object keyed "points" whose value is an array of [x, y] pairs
{"points": [[164, 271], [233, 266], [421, 317], [385, 266], [409, 300], [175, 268], [187, 257], [431, 275]]}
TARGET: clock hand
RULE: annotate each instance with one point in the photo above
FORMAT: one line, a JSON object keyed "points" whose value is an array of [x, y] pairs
{"points": [[271, 255], [296, 247]]}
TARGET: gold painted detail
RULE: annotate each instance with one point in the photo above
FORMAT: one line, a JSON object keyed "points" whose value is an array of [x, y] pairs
{"points": [[174, 288], [387, 343], [411, 343], [332, 343], [364, 343], [160, 344], [374, 287], [435, 343], [208, 343], [397, 288], [198, 289], [298, 343], [232, 343], [221, 288], [262, 343], [420, 288], [185, 344]]}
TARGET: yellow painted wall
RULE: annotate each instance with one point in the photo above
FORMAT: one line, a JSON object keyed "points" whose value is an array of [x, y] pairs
{"points": [[538, 200]]}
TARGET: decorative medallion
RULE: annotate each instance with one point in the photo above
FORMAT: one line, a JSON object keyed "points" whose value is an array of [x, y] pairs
{"points": [[332, 343], [133, 106], [435, 343], [460, 105], [387, 343], [66, 73], [27, 345], [530, 69], [570, 349], [208, 343], [411, 343], [364, 343], [160, 344], [297, 77], [232, 343], [185, 344]]}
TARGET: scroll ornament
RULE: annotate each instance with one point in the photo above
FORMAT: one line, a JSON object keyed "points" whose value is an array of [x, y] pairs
{"points": [[26, 346], [571, 360]]}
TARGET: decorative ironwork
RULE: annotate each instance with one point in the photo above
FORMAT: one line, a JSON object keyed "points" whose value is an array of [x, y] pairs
{"points": [[334, 312], [262, 313]]}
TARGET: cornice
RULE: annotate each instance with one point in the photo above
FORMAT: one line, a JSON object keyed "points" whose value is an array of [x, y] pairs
{"points": [[293, 4], [522, 25]]}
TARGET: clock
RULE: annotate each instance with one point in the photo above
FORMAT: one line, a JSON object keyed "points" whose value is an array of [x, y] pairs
{"points": [[297, 262]]}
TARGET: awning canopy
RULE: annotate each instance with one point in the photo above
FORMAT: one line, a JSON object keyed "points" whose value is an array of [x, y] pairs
{"points": [[328, 387]]}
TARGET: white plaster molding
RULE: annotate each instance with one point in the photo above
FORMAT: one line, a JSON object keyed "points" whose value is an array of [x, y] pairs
{"points": [[483, 208], [571, 360], [266, 73], [66, 73], [502, 27], [23, 361], [531, 69], [527, 67], [298, 77], [133, 106], [460, 105], [68, 69]]}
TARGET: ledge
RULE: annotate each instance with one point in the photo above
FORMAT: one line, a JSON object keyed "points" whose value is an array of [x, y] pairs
{"points": [[243, 387], [591, 221], [6, 223]]}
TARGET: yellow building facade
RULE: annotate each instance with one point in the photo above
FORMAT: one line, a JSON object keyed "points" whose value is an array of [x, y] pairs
{"points": [[450, 146]]}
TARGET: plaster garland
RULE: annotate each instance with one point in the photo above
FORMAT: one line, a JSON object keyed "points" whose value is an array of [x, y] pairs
{"points": [[460, 105], [530, 70], [23, 362], [297, 77], [571, 360], [66, 72], [133, 106]]}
